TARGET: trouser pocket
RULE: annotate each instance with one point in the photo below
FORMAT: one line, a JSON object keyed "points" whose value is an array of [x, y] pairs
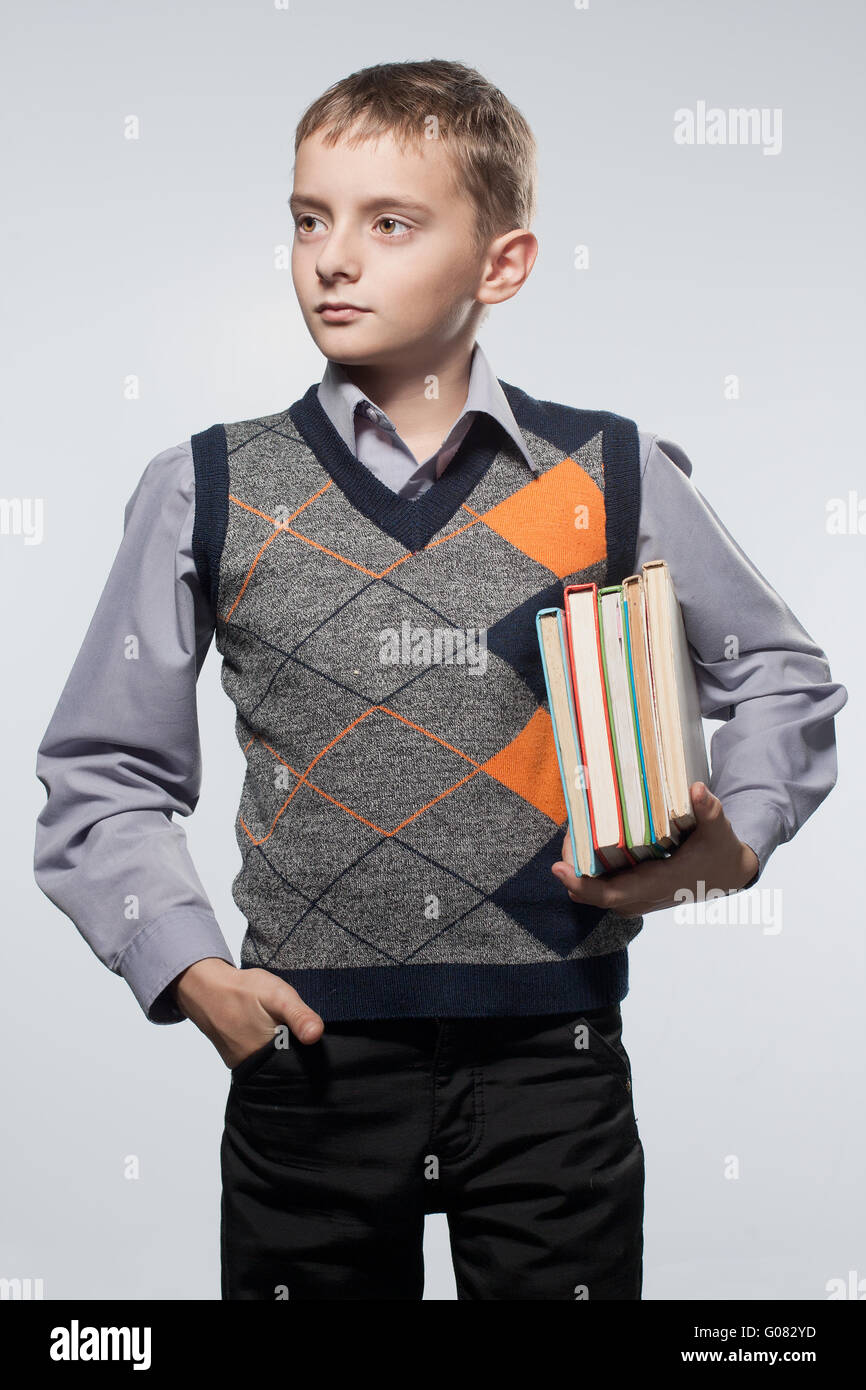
{"points": [[255, 1061], [599, 1032]]}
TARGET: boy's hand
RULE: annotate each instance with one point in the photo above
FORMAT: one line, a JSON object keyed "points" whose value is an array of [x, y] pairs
{"points": [[711, 852], [239, 1010]]}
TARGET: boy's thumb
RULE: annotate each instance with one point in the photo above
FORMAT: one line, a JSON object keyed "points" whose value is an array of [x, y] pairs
{"points": [[704, 803]]}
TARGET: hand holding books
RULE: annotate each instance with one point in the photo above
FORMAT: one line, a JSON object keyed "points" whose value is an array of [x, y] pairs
{"points": [[627, 724], [712, 858]]}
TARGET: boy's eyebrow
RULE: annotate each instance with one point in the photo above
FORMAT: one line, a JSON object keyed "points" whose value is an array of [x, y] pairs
{"points": [[391, 199]]}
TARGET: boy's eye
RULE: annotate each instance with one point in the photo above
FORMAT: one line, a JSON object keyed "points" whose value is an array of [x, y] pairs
{"points": [[389, 221], [395, 221]]}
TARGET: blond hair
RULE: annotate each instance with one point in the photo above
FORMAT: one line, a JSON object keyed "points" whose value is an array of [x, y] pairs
{"points": [[490, 143]]}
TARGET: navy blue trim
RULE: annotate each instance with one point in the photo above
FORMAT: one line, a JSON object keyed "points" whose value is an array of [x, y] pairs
{"points": [[461, 991], [414, 522], [210, 458], [622, 491], [411, 522], [569, 428]]}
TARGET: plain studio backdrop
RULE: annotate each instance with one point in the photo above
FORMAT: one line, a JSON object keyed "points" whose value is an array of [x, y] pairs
{"points": [[721, 307]]}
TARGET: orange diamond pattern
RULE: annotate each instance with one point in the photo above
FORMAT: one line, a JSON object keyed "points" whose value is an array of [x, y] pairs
{"points": [[557, 520], [528, 765]]}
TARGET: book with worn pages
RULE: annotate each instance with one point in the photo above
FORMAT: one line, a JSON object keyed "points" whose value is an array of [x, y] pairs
{"points": [[626, 716]]}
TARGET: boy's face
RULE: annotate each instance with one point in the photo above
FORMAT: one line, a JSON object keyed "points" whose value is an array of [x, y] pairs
{"points": [[392, 234]]}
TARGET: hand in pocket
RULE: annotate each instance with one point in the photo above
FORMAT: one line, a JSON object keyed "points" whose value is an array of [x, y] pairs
{"points": [[240, 1010]]}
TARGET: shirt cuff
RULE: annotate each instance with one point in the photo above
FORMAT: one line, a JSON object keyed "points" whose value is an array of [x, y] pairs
{"points": [[161, 950], [757, 824]]}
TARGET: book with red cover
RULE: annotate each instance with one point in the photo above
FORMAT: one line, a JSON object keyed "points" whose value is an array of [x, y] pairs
{"points": [[617, 856]]}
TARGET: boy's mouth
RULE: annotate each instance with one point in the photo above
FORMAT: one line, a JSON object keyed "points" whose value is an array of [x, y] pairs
{"points": [[338, 310]]}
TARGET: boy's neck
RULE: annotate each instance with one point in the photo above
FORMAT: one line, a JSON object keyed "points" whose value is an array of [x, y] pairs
{"points": [[421, 415]]}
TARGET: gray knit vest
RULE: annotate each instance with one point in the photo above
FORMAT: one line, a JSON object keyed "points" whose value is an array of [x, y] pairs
{"points": [[402, 804]]}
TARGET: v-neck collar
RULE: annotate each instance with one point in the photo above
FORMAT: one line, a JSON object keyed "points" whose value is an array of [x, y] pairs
{"points": [[412, 523]]}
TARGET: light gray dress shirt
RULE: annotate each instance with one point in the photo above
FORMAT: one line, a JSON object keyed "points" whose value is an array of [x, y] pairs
{"points": [[121, 754]]}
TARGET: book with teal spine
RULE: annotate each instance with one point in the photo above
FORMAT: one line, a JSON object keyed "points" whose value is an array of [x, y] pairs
{"points": [[561, 703]]}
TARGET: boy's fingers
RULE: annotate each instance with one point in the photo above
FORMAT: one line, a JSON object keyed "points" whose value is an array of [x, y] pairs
{"points": [[278, 998], [304, 1022], [652, 882]]}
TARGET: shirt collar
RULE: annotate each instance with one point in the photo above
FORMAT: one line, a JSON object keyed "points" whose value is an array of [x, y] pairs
{"points": [[340, 398]]}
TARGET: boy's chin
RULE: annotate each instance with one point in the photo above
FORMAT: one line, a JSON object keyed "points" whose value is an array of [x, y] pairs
{"points": [[339, 347]]}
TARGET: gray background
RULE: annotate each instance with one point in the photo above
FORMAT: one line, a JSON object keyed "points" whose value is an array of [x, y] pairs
{"points": [[156, 257]]}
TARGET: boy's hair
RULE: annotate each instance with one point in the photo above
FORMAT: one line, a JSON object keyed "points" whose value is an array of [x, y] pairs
{"points": [[491, 145]]}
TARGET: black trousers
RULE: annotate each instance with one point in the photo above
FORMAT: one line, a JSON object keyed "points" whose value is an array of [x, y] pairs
{"points": [[522, 1130]]}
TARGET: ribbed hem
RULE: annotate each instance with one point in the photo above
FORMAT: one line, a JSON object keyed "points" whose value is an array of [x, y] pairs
{"points": [[461, 991]]}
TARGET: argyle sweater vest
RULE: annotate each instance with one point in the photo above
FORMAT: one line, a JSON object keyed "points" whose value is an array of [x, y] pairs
{"points": [[402, 804]]}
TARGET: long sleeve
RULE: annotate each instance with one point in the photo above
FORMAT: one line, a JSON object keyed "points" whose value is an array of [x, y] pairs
{"points": [[121, 754], [774, 759]]}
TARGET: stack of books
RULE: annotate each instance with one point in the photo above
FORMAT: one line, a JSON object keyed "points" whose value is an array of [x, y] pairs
{"points": [[624, 704]]}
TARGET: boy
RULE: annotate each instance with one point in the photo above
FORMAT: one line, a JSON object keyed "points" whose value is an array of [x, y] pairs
{"points": [[448, 989]]}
